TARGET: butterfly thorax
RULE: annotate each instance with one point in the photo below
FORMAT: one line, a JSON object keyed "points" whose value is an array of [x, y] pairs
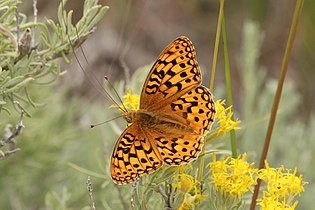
{"points": [[141, 117], [156, 121]]}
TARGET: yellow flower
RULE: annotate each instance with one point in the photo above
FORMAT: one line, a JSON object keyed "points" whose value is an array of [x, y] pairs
{"points": [[185, 206], [281, 181], [190, 188], [272, 203], [184, 182], [282, 187], [224, 117], [131, 102], [190, 201], [233, 176]]}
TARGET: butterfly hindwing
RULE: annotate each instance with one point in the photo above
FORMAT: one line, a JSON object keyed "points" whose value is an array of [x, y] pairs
{"points": [[196, 109], [192, 114], [179, 150], [175, 72], [134, 155]]}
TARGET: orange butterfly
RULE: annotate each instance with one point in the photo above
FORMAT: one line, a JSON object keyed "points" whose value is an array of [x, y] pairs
{"points": [[175, 114]]}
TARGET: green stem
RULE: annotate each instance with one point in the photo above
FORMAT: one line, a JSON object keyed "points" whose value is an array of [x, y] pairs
{"points": [[216, 46], [284, 68], [201, 161], [228, 86]]}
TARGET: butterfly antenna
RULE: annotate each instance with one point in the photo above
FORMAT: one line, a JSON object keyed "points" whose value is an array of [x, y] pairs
{"points": [[94, 125], [87, 61], [107, 96], [112, 87]]}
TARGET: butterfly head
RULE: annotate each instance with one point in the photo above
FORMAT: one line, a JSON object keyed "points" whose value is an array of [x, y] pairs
{"points": [[129, 116]]}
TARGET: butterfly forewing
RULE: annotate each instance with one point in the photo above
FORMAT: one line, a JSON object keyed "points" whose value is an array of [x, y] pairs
{"points": [[175, 72]]}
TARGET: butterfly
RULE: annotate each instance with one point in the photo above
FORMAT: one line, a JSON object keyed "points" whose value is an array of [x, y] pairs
{"points": [[175, 114]]}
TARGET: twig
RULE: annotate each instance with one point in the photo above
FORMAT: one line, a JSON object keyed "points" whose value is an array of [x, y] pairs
{"points": [[76, 43], [9, 138], [35, 21], [90, 191], [7, 153], [17, 21], [121, 197], [132, 195]]}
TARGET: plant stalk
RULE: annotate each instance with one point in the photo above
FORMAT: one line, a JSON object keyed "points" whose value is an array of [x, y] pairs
{"points": [[284, 67], [228, 84], [201, 159]]}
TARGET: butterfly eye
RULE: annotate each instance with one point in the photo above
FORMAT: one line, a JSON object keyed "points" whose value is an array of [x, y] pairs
{"points": [[129, 120], [128, 116]]}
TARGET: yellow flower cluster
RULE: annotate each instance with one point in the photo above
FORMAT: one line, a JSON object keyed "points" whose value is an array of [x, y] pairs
{"points": [[131, 101], [233, 176], [282, 186], [224, 117]]}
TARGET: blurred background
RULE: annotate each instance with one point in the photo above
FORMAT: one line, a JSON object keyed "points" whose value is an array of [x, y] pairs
{"points": [[130, 36]]}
